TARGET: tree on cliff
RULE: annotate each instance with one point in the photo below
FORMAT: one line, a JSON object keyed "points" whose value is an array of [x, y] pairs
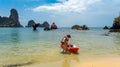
{"points": [[116, 25], [117, 19]]}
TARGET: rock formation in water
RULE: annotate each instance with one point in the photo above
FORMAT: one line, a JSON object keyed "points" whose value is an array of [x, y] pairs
{"points": [[78, 27], [32, 22], [105, 27], [54, 26], [35, 26], [11, 21], [45, 24], [46, 28], [116, 25]]}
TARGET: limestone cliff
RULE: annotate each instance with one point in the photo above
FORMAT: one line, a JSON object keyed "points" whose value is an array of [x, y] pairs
{"points": [[11, 21]]}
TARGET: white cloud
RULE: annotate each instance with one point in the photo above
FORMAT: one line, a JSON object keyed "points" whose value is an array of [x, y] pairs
{"points": [[67, 6], [70, 12]]}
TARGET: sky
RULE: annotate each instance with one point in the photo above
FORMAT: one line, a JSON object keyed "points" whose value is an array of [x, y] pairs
{"points": [[65, 13]]}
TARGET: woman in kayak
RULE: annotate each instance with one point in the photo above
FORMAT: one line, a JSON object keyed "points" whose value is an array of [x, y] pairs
{"points": [[65, 44]]}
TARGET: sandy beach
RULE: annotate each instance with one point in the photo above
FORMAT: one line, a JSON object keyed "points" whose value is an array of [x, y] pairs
{"points": [[101, 62], [94, 62]]}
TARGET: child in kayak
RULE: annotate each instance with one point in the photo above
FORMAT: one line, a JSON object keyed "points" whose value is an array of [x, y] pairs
{"points": [[65, 44]]}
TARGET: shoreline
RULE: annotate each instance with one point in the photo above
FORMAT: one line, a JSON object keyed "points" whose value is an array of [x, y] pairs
{"points": [[91, 62]]}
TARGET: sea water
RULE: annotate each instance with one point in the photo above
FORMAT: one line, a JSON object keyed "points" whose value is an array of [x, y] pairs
{"points": [[23, 45]]}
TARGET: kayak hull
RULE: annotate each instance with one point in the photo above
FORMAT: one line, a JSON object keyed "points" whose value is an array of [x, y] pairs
{"points": [[71, 48]]}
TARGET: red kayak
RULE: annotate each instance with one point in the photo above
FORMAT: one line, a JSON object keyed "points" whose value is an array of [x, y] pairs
{"points": [[71, 48]]}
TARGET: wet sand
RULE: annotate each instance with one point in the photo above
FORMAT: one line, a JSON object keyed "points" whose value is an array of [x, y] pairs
{"points": [[101, 62], [94, 62]]}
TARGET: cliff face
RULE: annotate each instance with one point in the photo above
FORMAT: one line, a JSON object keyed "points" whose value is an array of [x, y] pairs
{"points": [[11, 21]]}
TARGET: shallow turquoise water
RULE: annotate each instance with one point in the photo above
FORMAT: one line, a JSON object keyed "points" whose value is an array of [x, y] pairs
{"points": [[21, 45]]}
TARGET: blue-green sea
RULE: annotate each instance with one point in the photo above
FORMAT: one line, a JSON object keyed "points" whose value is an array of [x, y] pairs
{"points": [[23, 45]]}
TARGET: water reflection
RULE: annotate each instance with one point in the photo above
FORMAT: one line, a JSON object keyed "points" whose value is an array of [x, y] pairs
{"points": [[68, 59]]}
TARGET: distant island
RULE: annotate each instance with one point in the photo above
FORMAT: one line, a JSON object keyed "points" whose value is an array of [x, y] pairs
{"points": [[12, 20], [105, 27], [78, 27]]}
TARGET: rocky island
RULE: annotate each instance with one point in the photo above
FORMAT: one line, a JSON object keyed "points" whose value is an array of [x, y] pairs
{"points": [[32, 22], [78, 27], [106, 27], [45, 25], [11, 21], [54, 26]]}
